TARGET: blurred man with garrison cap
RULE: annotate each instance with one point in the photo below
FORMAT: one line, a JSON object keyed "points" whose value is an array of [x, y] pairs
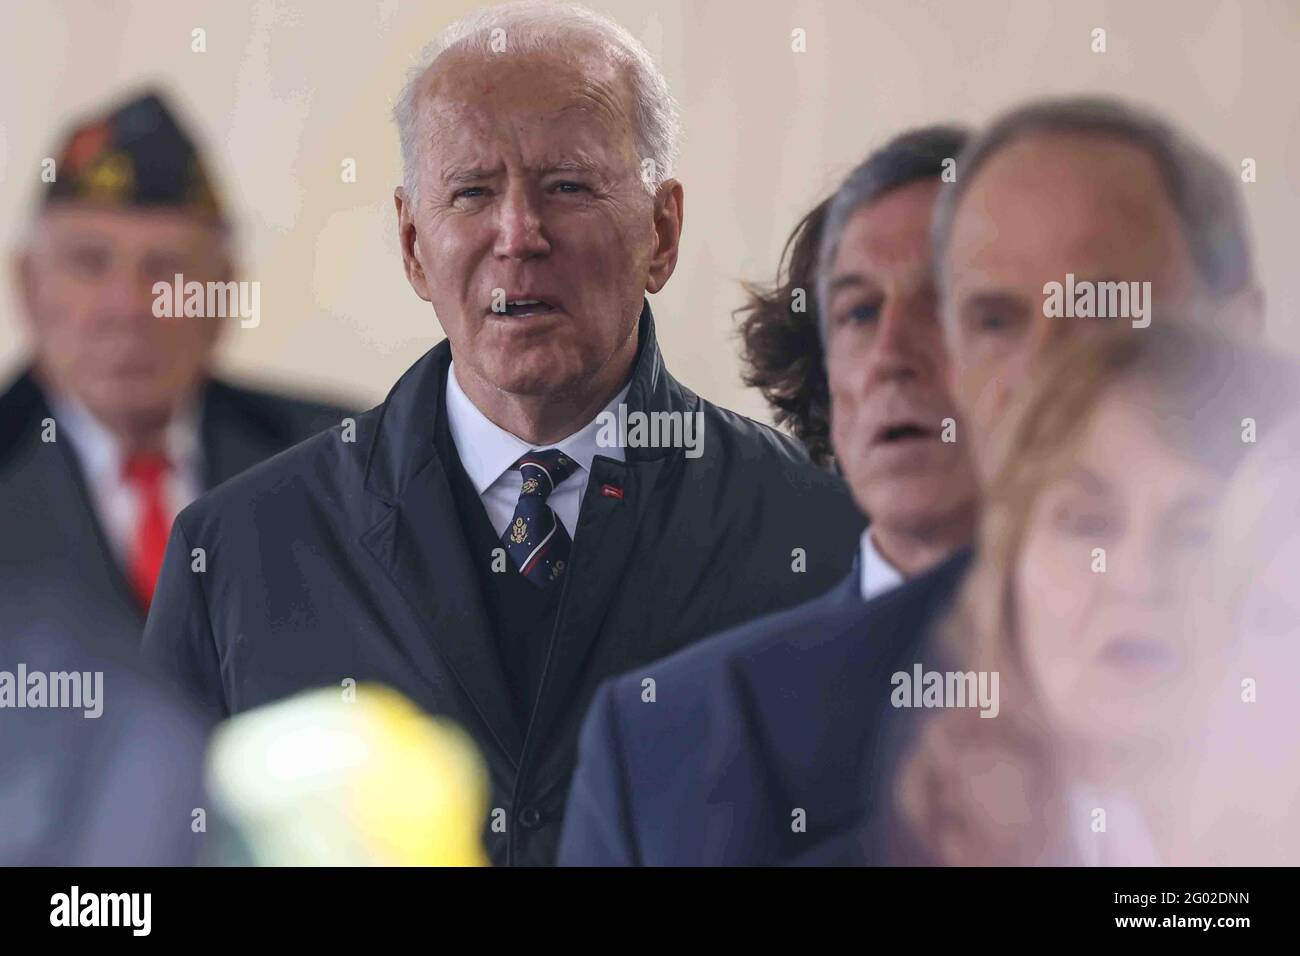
{"points": [[116, 423]]}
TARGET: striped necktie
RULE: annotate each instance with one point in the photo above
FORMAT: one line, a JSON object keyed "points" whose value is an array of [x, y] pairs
{"points": [[536, 540]]}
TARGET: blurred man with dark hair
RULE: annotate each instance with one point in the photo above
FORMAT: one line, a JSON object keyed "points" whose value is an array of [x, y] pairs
{"points": [[893, 429], [118, 423], [894, 424]]}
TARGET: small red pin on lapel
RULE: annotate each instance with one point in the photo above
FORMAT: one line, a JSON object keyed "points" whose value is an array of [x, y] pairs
{"points": [[612, 491]]}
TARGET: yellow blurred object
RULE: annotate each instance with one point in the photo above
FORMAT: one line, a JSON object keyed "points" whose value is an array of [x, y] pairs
{"points": [[356, 776]]}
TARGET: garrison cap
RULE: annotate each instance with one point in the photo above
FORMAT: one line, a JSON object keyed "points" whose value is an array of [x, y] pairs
{"points": [[136, 156]]}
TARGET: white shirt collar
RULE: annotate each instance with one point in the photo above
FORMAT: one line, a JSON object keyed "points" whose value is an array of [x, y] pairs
{"points": [[487, 450], [100, 453], [878, 575]]}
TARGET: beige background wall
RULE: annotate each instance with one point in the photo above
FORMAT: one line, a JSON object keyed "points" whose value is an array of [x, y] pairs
{"points": [[287, 90]]}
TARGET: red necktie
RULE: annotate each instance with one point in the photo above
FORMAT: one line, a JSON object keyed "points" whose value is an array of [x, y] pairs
{"points": [[145, 472]]}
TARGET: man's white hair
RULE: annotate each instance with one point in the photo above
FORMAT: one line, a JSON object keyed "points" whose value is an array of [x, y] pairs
{"points": [[533, 26]]}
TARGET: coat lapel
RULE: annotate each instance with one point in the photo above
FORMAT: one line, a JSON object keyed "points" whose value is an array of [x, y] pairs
{"points": [[420, 546], [602, 551], [234, 438], [68, 522], [606, 535]]}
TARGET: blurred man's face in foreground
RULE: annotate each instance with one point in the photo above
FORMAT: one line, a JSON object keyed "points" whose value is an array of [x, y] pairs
{"points": [[530, 184], [1044, 207], [887, 368], [1106, 645], [87, 280]]}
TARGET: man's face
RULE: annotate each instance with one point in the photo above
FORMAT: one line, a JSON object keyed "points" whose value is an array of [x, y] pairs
{"points": [[87, 283], [530, 189], [886, 366], [1045, 206]]}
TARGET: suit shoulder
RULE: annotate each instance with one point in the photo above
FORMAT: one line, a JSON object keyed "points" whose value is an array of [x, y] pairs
{"points": [[890, 627], [770, 452], [744, 433], [291, 418], [705, 663], [821, 635], [21, 406], [326, 468]]}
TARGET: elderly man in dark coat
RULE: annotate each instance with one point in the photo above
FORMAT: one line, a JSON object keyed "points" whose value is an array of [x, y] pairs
{"points": [[117, 422], [538, 504]]}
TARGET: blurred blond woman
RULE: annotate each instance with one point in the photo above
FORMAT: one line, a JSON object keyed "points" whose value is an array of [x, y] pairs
{"points": [[1108, 473]]}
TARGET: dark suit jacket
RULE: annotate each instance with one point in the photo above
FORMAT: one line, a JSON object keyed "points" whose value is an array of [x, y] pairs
{"points": [[345, 559], [58, 574], [785, 721]]}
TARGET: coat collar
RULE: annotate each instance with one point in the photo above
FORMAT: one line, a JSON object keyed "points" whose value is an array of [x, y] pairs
{"points": [[488, 451], [404, 438]]}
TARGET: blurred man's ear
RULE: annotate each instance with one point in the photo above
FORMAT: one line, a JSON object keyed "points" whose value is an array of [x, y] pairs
{"points": [[668, 213], [406, 240]]}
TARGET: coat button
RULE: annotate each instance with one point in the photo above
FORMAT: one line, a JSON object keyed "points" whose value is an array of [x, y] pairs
{"points": [[530, 818]]}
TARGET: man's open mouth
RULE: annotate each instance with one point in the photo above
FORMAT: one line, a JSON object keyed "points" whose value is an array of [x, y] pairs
{"points": [[900, 432], [525, 307]]}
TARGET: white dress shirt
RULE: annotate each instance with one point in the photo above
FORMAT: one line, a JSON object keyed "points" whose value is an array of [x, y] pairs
{"points": [[878, 575], [101, 459], [488, 451]]}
